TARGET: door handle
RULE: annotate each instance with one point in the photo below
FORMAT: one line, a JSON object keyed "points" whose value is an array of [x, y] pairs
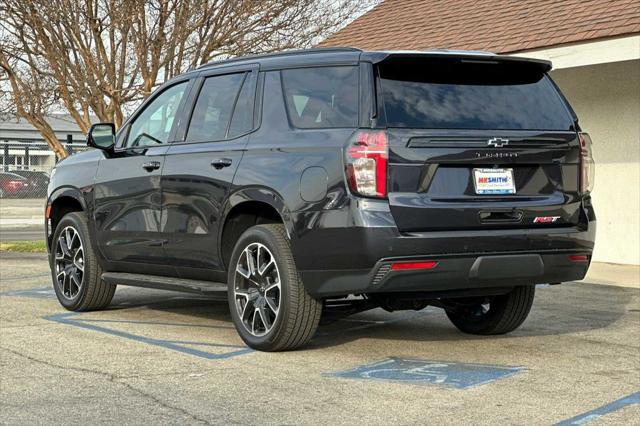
{"points": [[151, 165], [220, 163]]}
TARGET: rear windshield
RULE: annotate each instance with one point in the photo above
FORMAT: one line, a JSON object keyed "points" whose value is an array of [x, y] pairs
{"points": [[456, 94]]}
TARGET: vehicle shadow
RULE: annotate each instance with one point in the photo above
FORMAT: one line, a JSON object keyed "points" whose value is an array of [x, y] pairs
{"points": [[565, 309], [557, 310]]}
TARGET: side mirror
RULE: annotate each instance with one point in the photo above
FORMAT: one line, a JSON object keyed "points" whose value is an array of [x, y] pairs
{"points": [[102, 136]]}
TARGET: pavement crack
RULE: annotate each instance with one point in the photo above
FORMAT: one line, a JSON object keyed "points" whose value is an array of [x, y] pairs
{"points": [[111, 378]]}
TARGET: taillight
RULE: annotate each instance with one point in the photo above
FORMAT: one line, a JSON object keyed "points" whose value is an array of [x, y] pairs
{"points": [[366, 159], [587, 165]]}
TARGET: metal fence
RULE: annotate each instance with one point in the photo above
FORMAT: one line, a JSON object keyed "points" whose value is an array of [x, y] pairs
{"points": [[25, 167]]}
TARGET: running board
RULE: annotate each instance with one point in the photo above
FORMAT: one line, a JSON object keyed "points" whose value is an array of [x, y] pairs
{"points": [[208, 288]]}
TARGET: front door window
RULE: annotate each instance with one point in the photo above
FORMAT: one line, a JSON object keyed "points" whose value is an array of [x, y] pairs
{"points": [[153, 126]]}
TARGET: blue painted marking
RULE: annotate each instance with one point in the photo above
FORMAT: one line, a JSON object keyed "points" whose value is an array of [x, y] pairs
{"points": [[39, 293], [426, 372], [589, 416], [70, 318], [157, 323]]}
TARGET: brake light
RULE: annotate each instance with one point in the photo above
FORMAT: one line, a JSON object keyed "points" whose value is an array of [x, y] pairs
{"points": [[366, 159], [428, 264], [587, 165]]}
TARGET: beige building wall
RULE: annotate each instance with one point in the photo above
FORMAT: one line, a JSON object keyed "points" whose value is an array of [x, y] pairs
{"points": [[606, 98]]}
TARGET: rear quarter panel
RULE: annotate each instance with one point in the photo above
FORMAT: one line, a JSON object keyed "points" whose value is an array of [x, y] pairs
{"points": [[278, 155]]}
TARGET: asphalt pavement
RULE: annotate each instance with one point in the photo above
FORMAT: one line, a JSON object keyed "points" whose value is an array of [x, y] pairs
{"points": [[168, 358]]}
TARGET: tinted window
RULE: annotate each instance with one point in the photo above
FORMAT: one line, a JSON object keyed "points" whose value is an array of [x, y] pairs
{"points": [[153, 125], [462, 95], [242, 120], [322, 97], [213, 109]]}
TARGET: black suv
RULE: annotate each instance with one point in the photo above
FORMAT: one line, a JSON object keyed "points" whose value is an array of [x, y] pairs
{"points": [[327, 182]]}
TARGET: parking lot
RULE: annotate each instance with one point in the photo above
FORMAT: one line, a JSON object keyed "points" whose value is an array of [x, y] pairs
{"points": [[161, 357]]}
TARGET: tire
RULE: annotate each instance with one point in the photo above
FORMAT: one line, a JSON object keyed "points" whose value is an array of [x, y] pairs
{"points": [[268, 316], [505, 312], [92, 293]]}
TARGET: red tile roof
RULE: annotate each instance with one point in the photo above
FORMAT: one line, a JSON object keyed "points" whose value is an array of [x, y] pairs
{"points": [[496, 25]]}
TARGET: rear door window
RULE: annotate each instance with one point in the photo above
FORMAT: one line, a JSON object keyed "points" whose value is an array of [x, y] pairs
{"points": [[448, 94], [325, 97], [242, 121], [212, 112]]}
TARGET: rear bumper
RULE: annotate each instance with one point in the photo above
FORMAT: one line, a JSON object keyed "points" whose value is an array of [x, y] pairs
{"points": [[338, 260], [451, 273]]}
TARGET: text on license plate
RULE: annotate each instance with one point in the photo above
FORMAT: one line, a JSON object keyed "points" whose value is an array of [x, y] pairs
{"points": [[494, 181]]}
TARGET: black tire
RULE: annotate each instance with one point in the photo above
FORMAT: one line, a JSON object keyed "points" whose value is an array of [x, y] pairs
{"points": [[93, 293], [298, 313], [505, 314]]}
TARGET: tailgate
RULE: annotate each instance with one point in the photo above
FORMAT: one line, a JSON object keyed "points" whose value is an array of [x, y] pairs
{"points": [[482, 143], [432, 184]]}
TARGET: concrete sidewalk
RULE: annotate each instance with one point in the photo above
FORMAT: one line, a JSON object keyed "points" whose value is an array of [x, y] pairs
{"points": [[614, 274]]}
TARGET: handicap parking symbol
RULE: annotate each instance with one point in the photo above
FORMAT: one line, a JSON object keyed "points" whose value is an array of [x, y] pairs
{"points": [[426, 372]]}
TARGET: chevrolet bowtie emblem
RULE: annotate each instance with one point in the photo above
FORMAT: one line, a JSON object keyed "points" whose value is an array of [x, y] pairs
{"points": [[497, 142]]}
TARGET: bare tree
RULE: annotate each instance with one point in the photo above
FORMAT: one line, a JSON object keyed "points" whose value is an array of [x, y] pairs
{"points": [[96, 57]]}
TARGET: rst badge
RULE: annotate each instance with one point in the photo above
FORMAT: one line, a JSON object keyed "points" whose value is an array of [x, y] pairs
{"points": [[545, 219]]}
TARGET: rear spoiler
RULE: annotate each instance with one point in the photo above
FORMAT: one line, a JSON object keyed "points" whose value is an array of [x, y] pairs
{"points": [[379, 57]]}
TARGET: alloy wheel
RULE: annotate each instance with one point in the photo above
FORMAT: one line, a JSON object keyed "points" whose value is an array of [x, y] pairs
{"points": [[257, 289], [69, 263]]}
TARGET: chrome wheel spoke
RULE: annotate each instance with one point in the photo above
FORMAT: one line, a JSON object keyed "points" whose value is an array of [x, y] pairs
{"points": [[244, 307], [76, 279], [78, 260], [267, 266], [272, 305], [272, 286], [243, 269], [251, 262], [264, 318], [67, 285], [254, 330], [64, 247], [60, 278]]}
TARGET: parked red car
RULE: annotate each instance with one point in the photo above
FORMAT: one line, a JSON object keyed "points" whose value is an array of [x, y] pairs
{"points": [[12, 185]]}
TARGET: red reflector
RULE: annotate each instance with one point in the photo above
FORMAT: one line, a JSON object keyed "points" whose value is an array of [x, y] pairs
{"points": [[429, 264], [578, 258], [47, 212]]}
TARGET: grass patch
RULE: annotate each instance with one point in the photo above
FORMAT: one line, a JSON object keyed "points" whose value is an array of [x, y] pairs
{"points": [[24, 246]]}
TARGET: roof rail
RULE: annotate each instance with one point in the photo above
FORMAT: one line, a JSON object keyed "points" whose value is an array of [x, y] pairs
{"points": [[280, 54]]}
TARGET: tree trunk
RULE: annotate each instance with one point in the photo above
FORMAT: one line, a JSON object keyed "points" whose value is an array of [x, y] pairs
{"points": [[49, 136]]}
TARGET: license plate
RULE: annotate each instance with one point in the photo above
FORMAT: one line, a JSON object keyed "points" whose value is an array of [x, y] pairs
{"points": [[494, 181]]}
